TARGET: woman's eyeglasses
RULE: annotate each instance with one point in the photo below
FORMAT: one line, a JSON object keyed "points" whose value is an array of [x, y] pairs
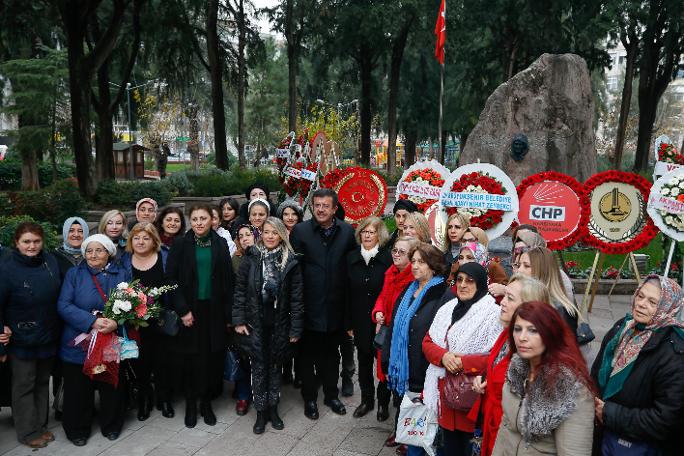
{"points": [[399, 252]]}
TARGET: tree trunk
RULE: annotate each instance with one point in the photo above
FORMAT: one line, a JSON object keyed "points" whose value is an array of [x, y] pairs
{"points": [[631, 48], [79, 87], [291, 36], [442, 151], [365, 101], [29, 170], [242, 75], [216, 74], [104, 153], [395, 72], [410, 147]]}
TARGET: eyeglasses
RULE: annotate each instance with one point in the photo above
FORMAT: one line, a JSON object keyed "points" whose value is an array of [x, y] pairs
{"points": [[399, 252], [465, 280], [96, 252]]}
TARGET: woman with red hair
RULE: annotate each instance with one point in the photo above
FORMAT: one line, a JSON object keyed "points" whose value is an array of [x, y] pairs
{"points": [[548, 396]]}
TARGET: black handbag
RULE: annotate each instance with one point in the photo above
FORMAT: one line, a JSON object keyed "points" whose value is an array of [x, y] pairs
{"points": [[168, 322], [381, 337], [246, 344], [584, 334]]}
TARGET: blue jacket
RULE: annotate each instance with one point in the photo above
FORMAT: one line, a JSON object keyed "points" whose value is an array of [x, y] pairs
{"points": [[77, 301]]}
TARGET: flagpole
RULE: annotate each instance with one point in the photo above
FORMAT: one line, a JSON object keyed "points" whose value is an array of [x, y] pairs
{"points": [[441, 112]]}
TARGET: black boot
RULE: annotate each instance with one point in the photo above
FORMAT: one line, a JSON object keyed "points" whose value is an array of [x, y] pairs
{"points": [[276, 421], [144, 405], [260, 425], [190, 413], [207, 413]]}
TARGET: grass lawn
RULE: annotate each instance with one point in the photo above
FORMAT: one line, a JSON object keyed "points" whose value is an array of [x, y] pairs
{"points": [[585, 259]]}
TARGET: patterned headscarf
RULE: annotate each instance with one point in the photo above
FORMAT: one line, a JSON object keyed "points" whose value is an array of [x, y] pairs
{"points": [[480, 252], [624, 348]]}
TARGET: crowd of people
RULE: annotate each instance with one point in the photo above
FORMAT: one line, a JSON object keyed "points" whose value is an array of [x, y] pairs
{"points": [[492, 352]]}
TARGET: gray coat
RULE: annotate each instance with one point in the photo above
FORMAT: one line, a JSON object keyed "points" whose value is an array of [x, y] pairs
{"points": [[542, 424]]}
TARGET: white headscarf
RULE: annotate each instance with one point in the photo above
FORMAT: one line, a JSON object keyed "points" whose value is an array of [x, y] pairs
{"points": [[102, 239]]}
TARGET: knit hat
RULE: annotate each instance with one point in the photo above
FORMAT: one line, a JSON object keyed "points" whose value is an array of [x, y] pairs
{"points": [[102, 239], [404, 204], [257, 185], [292, 204]]}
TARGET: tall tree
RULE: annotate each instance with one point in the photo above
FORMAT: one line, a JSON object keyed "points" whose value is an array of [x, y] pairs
{"points": [[76, 18], [216, 60], [662, 48]]}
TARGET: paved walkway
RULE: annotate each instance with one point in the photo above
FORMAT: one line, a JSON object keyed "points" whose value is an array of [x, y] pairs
{"points": [[329, 435]]}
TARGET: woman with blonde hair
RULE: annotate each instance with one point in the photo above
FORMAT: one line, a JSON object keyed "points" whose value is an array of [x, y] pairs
{"points": [[541, 264], [416, 226], [145, 261], [269, 308], [457, 225], [476, 234], [366, 266], [113, 225]]}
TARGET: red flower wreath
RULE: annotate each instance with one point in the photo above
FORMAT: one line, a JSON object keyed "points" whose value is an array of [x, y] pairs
{"points": [[292, 185], [576, 187], [649, 230], [331, 179], [491, 186], [431, 177], [668, 153]]}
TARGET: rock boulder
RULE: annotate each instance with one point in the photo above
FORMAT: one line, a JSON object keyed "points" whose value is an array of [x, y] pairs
{"points": [[552, 104]]}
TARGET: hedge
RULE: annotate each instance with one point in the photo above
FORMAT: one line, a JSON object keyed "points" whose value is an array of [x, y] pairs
{"points": [[52, 204], [10, 174], [124, 195], [8, 225]]}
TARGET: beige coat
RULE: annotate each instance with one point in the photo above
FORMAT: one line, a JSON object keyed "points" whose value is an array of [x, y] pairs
{"points": [[572, 437]]}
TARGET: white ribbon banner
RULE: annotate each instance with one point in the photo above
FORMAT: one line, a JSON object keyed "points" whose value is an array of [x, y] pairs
{"points": [[293, 172], [308, 175], [419, 190], [472, 200], [283, 153], [662, 168], [672, 206]]}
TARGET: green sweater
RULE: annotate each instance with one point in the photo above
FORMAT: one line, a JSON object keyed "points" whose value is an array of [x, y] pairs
{"points": [[203, 259]]}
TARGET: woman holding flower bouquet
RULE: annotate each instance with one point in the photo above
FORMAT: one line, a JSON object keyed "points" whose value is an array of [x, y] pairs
{"points": [[146, 262], [199, 263], [81, 303], [269, 314]]}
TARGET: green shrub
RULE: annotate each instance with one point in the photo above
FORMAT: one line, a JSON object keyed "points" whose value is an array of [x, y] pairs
{"points": [[124, 195], [180, 183], [215, 182], [10, 174], [52, 204], [8, 225]]}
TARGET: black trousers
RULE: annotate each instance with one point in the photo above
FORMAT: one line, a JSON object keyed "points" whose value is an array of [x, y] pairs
{"points": [[456, 443], [320, 357], [366, 355], [79, 398], [266, 375], [153, 363], [347, 351]]}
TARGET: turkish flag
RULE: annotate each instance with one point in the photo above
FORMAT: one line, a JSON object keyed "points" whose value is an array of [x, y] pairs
{"points": [[440, 33]]}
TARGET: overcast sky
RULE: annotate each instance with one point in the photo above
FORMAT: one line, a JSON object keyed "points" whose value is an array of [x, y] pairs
{"points": [[264, 25]]}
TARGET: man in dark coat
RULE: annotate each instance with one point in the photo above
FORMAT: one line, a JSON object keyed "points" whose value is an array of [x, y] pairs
{"points": [[324, 242]]}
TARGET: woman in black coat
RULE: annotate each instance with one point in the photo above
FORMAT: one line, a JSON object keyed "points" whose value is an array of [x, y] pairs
{"points": [[640, 374], [366, 268], [29, 290], [200, 264], [268, 315]]}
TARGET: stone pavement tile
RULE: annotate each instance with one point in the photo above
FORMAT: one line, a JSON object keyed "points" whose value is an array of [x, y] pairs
{"points": [[388, 451], [191, 439], [600, 313], [329, 432], [140, 442], [309, 449], [167, 450], [349, 453], [365, 440], [237, 440], [174, 424], [296, 424], [63, 447]]}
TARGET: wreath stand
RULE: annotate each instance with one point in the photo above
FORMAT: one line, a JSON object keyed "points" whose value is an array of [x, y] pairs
{"points": [[666, 272], [597, 270]]}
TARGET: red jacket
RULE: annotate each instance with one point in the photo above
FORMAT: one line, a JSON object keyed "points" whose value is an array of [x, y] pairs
{"points": [[451, 419], [395, 283], [491, 408]]}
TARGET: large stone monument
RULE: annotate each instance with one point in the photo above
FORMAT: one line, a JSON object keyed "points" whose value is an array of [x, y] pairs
{"points": [[542, 119]]}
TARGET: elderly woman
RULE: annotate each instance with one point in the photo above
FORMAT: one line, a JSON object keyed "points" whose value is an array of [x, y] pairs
{"points": [[258, 210], [200, 264], [457, 225], [170, 224], [269, 310], [402, 356], [461, 331], [81, 302], [74, 231], [146, 261], [519, 289], [416, 226], [475, 252], [291, 213], [640, 374], [541, 264], [28, 296], [113, 225], [547, 398], [397, 278], [229, 208], [366, 268]]}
